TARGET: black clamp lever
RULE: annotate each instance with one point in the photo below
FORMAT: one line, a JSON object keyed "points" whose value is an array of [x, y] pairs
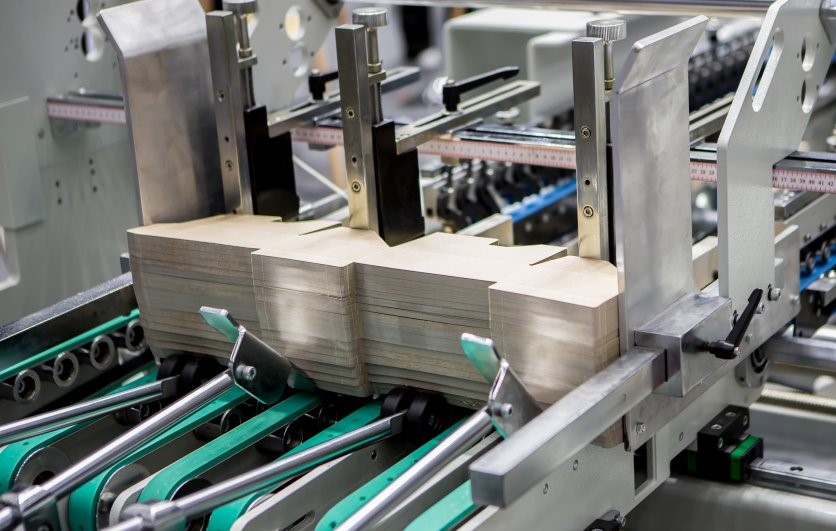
{"points": [[317, 81], [729, 348], [452, 92]]}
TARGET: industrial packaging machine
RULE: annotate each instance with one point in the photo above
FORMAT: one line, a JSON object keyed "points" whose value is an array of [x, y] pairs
{"points": [[690, 155]]}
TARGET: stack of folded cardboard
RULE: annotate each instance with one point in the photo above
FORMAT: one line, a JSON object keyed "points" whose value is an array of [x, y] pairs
{"points": [[307, 305], [179, 267], [417, 299]]}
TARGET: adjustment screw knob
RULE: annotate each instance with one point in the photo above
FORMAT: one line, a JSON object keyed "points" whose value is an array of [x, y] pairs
{"points": [[240, 7], [371, 17], [610, 30]]}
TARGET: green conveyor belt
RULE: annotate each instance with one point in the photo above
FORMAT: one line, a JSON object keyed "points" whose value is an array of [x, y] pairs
{"points": [[70, 344], [448, 512], [223, 517], [84, 500], [15, 454], [340, 512], [166, 482]]}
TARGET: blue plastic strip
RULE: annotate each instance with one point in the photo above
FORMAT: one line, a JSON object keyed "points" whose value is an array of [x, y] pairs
{"points": [[532, 205]]}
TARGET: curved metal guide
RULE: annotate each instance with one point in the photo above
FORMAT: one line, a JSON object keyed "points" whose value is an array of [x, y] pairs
{"points": [[256, 367]]}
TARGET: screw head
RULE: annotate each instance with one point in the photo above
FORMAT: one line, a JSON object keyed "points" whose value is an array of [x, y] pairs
{"points": [[716, 427], [774, 294], [221, 95], [641, 427], [246, 372], [371, 17], [586, 132], [609, 30], [588, 211], [356, 186], [575, 465]]}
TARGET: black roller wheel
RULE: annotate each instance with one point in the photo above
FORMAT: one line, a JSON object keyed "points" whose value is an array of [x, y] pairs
{"points": [[171, 366], [398, 399], [197, 373], [425, 416]]}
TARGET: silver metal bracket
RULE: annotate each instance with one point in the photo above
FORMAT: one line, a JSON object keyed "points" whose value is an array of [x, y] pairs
{"points": [[591, 148], [411, 136], [683, 331], [357, 114], [280, 122], [510, 405], [229, 111], [766, 121], [256, 367]]}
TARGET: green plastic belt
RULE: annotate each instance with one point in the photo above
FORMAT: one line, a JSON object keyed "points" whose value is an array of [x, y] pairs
{"points": [[738, 453], [448, 512], [70, 344], [166, 482], [223, 517], [15, 454], [85, 499], [349, 505]]}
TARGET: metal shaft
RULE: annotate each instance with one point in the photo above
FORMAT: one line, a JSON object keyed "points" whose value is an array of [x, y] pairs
{"points": [[678, 7], [28, 427], [245, 51], [203, 501], [476, 427], [609, 69], [64, 483]]}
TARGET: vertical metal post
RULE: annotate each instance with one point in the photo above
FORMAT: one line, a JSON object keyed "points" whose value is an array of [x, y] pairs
{"points": [[591, 148], [229, 111], [357, 115]]}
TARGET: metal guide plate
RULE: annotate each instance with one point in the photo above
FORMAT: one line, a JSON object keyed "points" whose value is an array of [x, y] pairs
{"points": [[766, 120], [652, 189], [164, 62]]}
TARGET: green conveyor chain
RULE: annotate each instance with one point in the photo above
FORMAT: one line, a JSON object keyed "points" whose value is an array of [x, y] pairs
{"points": [[70, 344]]}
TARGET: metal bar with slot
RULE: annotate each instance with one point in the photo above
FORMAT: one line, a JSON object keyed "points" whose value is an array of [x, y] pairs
{"points": [[505, 473]]}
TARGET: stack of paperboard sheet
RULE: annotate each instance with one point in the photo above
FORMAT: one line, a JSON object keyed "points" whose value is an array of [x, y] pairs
{"points": [[557, 324], [417, 299], [307, 304], [179, 267]]}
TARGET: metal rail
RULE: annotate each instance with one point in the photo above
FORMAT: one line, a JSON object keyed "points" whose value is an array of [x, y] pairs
{"points": [[91, 409], [726, 8]]}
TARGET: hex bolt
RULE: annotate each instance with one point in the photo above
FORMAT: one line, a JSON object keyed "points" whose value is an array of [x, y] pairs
{"points": [[609, 31], [246, 373], [641, 427], [501, 410]]}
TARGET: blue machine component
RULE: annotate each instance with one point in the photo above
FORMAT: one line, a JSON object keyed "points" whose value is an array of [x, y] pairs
{"points": [[546, 198], [822, 267]]}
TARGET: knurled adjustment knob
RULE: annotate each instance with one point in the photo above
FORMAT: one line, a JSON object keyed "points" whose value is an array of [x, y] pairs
{"points": [[371, 17], [610, 30], [240, 7]]}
